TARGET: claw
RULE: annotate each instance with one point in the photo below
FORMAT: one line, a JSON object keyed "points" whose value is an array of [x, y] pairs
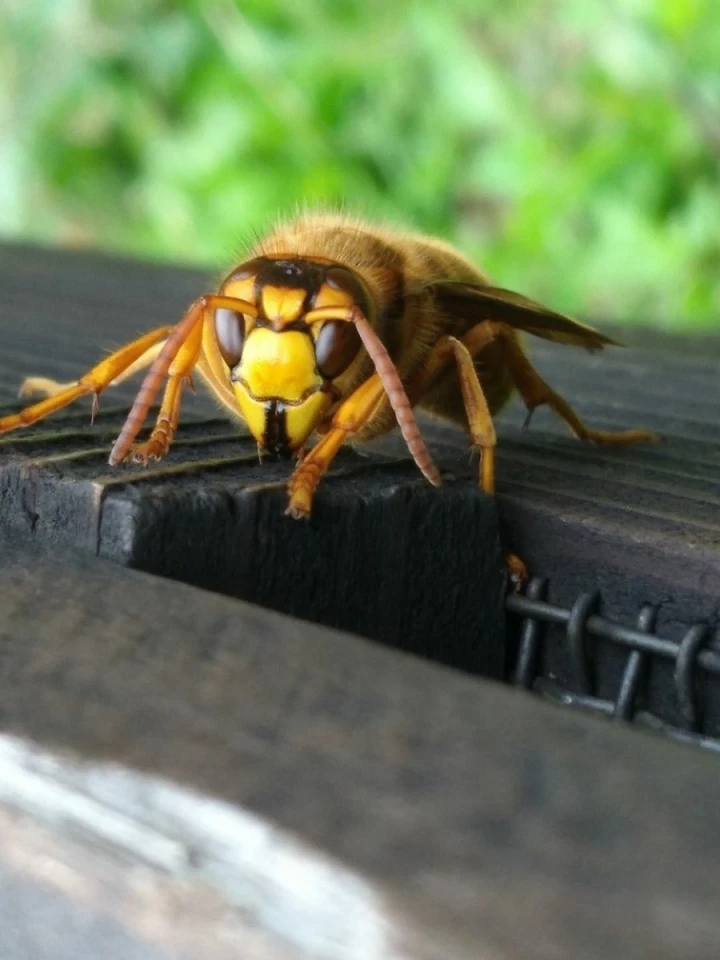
{"points": [[41, 386], [143, 453], [300, 502], [297, 512], [517, 571]]}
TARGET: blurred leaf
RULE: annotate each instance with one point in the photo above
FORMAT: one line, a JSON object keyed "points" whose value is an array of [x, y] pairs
{"points": [[572, 148]]}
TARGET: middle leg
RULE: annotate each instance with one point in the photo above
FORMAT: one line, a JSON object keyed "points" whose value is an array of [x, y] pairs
{"points": [[176, 360], [463, 352], [91, 383], [45, 387]]}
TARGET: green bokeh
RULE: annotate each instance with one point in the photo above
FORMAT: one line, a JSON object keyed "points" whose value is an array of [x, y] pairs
{"points": [[571, 147]]}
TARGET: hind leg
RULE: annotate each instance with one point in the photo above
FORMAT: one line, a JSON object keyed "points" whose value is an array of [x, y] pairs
{"points": [[536, 392]]}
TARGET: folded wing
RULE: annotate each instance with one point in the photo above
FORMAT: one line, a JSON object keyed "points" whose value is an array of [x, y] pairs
{"points": [[478, 302]]}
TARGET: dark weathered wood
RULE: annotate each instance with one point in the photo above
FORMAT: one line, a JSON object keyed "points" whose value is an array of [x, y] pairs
{"points": [[382, 554], [457, 819]]}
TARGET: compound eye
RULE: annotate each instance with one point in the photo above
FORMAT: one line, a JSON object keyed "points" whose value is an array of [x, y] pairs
{"points": [[339, 278], [246, 270], [336, 347], [230, 333]]}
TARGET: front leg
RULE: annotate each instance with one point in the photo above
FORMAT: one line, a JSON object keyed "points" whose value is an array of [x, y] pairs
{"points": [[349, 417], [179, 355], [159, 441]]}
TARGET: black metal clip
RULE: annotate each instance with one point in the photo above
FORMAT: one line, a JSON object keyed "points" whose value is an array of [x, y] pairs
{"points": [[688, 651], [530, 638], [635, 668], [584, 607]]}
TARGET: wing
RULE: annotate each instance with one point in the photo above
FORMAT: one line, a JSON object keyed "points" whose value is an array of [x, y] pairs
{"points": [[479, 302]]}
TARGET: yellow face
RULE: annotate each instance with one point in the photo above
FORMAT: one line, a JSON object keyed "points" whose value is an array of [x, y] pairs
{"points": [[283, 362], [278, 388]]}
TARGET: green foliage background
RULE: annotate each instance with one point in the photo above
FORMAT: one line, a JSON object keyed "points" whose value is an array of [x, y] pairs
{"points": [[571, 146]]}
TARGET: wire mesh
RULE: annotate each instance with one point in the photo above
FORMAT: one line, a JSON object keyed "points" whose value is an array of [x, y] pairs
{"points": [[583, 625]]}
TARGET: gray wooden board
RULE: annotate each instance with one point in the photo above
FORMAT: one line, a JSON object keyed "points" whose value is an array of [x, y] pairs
{"points": [[457, 817]]}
